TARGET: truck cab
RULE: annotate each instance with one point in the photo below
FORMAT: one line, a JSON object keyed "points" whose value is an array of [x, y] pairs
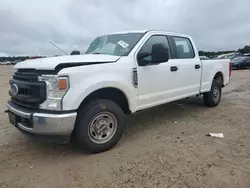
{"points": [[85, 98]]}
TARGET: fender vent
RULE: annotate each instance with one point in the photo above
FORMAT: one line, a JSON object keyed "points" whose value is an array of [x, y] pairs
{"points": [[135, 77]]}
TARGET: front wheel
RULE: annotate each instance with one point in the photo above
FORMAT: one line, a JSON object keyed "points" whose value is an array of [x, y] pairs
{"points": [[213, 97], [99, 126]]}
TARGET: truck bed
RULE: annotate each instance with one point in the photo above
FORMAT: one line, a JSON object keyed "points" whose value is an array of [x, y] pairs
{"points": [[209, 68]]}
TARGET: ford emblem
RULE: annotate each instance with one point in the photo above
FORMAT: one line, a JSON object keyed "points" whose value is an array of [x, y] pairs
{"points": [[14, 89]]}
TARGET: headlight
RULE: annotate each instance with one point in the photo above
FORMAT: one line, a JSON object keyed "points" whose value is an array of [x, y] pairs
{"points": [[57, 87]]}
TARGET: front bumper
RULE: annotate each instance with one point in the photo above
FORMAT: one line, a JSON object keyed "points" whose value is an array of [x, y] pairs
{"points": [[42, 124]]}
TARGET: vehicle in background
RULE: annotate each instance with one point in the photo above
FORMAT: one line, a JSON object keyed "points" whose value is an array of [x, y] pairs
{"points": [[15, 62], [84, 98], [6, 63], [241, 62], [203, 57], [230, 55], [33, 57], [3, 63]]}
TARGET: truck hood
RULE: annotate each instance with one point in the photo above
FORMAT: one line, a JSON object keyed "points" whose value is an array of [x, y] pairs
{"points": [[50, 63]]}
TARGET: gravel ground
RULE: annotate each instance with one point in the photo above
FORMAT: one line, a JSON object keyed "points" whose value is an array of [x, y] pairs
{"points": [[165, 146]]}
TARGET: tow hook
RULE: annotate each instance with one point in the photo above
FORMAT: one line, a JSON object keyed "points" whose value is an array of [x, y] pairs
{"points": [[6, 111]]}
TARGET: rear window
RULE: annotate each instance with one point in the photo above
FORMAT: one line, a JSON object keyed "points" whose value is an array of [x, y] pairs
{"points": [[184, 48]]}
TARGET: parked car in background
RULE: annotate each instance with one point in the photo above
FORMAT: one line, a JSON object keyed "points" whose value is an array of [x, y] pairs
{"points": [[5, 63], [202, 57], [15, 62], [230, 55], [241, 62]]}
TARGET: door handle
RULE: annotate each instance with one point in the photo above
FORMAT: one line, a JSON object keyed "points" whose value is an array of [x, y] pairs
{"points": [[174, 68], [197, 66]]}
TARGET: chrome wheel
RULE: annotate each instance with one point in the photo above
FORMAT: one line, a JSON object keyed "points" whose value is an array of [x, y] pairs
{"points": [[102, 127], [216, 94]]}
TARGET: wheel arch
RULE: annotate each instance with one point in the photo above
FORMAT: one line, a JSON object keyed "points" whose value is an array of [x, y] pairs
{"points": [[110, 93], [219, 75]]}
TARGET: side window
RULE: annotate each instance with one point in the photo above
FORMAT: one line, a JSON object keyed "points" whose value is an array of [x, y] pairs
{"points": [[184, 48], [147, 47]]}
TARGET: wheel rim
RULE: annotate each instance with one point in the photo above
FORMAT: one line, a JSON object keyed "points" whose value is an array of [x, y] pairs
{"points": [[216, 94], [102, 127]]}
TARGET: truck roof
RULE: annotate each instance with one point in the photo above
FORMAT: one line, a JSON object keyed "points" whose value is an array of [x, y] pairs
{"points": [[151, 31]]}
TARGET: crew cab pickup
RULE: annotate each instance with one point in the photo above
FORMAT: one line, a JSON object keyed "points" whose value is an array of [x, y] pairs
{"points": [[84, 98]]}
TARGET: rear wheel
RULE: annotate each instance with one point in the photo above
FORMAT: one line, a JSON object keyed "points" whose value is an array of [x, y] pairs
{"points": [[239, 66], [99, 126], [213, 97]]}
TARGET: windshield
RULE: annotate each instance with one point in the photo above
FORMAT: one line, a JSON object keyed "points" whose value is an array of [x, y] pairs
{"points": [[116, 44]]}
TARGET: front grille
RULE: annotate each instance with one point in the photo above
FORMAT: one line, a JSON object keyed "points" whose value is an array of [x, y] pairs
{"points": [[25, 77], [24, 91], [31, 92]]}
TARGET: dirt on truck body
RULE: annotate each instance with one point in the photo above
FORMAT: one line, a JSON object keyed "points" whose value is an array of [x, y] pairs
{"points": [[165, 146]]}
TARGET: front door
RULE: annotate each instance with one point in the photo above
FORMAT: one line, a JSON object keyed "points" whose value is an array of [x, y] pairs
{"points": [[155, 82]]}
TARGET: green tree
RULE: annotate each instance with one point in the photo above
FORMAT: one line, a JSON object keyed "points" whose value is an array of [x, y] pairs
{"points": [[244, 50]]}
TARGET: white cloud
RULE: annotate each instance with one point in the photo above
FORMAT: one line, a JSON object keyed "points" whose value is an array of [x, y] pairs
{"points": [[2, 54], [27, 25]]}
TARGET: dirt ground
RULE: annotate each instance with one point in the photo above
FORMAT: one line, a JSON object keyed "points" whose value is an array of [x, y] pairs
{"points": [[165, 146]]}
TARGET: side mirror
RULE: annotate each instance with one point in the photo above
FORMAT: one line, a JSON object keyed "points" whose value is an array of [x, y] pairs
{"points": [[142, 55], [159, 53], [140, 58]]}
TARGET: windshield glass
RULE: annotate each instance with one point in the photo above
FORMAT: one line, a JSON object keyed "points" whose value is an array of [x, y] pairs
{"points": [[115, 44]]}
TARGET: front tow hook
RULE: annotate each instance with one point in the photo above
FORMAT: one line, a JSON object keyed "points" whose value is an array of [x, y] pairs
{"points": [[6, 111]]}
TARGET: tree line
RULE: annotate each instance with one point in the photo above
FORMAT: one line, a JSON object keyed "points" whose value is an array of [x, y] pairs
{"points": [[244, 50], [18, 58]]}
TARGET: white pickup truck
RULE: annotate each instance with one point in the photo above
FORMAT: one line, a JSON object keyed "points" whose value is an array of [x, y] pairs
{"points": [[84, 98]]}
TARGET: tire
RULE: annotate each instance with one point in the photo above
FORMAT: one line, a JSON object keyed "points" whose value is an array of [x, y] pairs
{"points": [[239, 67], [213, 97], [111, 121]]}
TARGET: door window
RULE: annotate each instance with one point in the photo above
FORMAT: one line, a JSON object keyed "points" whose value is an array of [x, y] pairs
{"points": [[184, 48], [147, 47]]}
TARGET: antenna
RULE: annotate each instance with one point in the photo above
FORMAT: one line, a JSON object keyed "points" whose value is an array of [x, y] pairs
{"points": [[57, 47]]}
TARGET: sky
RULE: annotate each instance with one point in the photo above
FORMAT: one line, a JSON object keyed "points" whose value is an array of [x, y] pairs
{"points": [[26, 26]]}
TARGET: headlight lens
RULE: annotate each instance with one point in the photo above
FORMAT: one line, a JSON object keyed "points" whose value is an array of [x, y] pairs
{"points": [[57, 87]]}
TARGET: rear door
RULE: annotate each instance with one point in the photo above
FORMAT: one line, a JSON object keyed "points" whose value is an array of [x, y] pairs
{"points": [[189, 67]]}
